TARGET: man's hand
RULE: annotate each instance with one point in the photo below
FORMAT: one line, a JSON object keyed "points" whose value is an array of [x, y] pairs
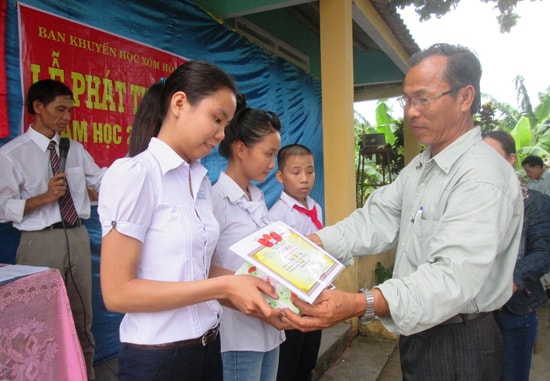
{"points": [[57, 186], [331, 307]]}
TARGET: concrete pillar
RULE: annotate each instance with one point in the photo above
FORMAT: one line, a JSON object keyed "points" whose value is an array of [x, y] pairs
{"points": [[337, 97], [338, 133]]}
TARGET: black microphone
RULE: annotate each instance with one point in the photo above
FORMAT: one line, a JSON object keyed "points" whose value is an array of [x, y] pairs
{"points": [[64, 144]]}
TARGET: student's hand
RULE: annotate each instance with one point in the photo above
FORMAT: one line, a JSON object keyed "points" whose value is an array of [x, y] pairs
{"points": [[331, 307], [244, 292]]}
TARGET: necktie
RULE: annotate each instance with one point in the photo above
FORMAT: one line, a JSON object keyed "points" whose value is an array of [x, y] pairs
{"points": [[66, 205], [311, 213]]}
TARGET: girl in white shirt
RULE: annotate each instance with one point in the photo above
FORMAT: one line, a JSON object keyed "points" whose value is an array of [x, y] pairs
{"points": [[250, 346], [159, 233]]}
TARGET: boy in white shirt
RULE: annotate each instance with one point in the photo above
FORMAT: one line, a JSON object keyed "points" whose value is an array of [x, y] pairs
{"points": [[298, 354]]}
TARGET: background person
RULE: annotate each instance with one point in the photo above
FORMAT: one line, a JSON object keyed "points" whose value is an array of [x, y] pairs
{"points": [[298, 354], [456, 225], [517, 319], [159, 233], [250, 346], [539, 177], [32, 196]]}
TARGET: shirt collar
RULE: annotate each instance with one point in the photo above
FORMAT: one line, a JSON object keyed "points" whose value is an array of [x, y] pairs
{"points": [[446, 158], [167, 158], [40, 140], [291, 201], [234, 192]]}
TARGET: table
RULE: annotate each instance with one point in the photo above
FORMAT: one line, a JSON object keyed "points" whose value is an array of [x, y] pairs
{"points": [[38, 340]]}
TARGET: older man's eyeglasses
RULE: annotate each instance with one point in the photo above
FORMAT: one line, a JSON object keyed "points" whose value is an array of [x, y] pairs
{"points": [[420, 103]]}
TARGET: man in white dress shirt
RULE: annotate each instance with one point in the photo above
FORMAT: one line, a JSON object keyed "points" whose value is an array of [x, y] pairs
{"points": [[31, 194]]}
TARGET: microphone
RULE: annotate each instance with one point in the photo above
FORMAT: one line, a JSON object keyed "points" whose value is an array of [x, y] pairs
{"points": [[64, 145]]}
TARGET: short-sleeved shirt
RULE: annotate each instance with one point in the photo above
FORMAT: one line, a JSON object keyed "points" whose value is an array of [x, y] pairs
{"points": [[165, 203], [239, 217], [283, 210]]}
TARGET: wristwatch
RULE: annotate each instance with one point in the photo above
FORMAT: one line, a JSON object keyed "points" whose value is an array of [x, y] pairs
{"points": [[368, 316]]}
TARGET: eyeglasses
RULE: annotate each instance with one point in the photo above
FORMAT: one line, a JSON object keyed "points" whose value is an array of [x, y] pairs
{"points": [[421, 103]]}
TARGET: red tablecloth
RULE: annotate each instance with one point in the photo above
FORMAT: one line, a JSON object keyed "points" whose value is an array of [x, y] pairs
{"points": [[38, 340]]}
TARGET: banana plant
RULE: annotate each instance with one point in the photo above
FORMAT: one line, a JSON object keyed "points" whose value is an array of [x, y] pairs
{"points": [[369, 171], [530, 126]]}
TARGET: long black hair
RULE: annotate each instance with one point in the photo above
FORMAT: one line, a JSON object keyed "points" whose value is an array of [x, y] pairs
{"points": [[197, 79], [248, 126]]}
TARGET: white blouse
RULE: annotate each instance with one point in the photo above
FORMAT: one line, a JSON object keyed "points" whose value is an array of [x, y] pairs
{"points": [[159, 199], [239, 217]]}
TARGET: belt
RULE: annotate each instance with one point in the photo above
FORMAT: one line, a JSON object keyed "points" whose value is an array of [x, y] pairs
{"points": [[463, 318], [59, 225], [204, 340]]}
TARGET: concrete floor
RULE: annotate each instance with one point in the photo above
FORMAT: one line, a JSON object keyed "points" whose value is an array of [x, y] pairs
{"points": [[343, 358], [358, 361]]}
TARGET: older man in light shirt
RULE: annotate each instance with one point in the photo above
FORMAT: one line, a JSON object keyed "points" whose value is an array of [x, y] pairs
{"points": [[456, 225]]}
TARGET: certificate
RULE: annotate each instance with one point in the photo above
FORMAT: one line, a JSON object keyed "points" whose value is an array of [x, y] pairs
{"points": [[290, 258]]}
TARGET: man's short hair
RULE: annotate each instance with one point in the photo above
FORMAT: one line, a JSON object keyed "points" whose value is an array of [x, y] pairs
{"points": [[45, 92], [532, 161], [291, 150], [463, 67]]}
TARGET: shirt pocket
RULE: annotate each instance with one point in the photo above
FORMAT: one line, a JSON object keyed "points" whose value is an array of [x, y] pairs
{"points": [[76, 180], [423, 232]]}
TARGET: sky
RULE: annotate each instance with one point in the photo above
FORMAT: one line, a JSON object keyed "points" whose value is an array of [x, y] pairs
{"points": [[524, 51]]}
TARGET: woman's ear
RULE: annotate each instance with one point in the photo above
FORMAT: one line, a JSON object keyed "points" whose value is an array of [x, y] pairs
{"points": [[239, 149], [178, 103]]}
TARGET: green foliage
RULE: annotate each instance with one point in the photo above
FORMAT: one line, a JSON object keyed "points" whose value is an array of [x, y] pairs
{"points": [[373, 171], [425, 9], [382, 274], [522, 133], [529, 126]]}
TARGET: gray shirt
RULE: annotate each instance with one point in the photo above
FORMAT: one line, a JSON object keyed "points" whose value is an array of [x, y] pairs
{"points": [[542, 184], [456, 220]]}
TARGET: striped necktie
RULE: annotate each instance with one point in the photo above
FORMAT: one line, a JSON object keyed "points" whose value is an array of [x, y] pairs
{"points": [[66, 205], [312, 213]]}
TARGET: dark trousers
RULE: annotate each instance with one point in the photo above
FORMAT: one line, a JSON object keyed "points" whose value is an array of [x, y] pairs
{"points": [[298, 355], [519, 333], [469, 351], [192, 363]]}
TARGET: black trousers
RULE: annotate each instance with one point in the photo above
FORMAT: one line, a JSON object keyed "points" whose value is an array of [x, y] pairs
{"points": [[298, 355], [468, 351], [192, 363]]}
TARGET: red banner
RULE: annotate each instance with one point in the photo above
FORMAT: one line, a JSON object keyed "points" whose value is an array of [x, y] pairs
{"points": [[107, 73], [4, 127]]}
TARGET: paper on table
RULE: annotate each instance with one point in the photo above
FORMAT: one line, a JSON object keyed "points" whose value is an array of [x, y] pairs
{"points": [[10, 273], [290, 258]]}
